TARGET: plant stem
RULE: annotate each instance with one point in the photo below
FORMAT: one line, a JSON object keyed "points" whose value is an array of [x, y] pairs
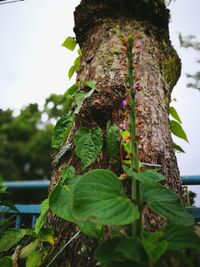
{"points": [[136, 227]]}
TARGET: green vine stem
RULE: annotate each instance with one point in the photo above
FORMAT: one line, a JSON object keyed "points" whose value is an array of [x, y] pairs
{"points": [[136, 227]]}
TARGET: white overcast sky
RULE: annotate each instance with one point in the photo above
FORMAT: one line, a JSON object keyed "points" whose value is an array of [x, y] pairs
{"points": [[33, 64]]}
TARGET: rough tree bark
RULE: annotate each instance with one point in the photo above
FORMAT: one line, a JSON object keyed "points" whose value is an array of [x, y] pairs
{"points": [[157, 69]]}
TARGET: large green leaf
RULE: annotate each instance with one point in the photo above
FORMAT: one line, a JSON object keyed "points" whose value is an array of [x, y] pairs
{"points": [[62, 130], [99, 198], [6, 262], [174, 114], [147, 176], [180, 237], [34, 259], [11, 238], [120, 249], [112, 141], [60, 199], [88, 145], [166, 203], [177, 130], [41, 219], [154, 246], [70, 43]]}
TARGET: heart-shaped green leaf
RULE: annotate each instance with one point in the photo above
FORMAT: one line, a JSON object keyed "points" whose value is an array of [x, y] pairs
{"points": [[99, 198], [88, 145], [70, 43], [180, 237], [62, 129], [166, 203]]}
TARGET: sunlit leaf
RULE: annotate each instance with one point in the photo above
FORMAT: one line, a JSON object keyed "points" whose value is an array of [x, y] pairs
{"points": [[34, 259], [70, 43]]}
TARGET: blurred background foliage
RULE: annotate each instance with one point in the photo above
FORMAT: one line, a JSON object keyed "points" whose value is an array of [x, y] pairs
{"points": [[25, 151]]}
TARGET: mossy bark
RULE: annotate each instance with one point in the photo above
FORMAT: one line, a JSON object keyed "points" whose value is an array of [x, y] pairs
{"points": [[99, 26]]}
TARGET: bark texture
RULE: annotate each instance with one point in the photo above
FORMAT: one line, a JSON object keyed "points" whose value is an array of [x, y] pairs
{"points": [[98, 25]]}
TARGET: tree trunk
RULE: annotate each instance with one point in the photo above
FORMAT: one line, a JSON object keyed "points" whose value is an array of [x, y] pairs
{"points": [[99, 27]]}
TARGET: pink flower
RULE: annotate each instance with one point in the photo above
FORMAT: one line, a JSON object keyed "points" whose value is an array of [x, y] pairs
{"points": [[122, 126], [124, 103], [136, 87]]}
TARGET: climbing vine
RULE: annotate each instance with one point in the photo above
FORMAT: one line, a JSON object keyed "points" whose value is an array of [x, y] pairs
{"points": [[97, 198]]}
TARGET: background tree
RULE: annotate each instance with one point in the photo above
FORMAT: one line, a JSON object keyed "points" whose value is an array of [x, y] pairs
{"points": [[100, 27], [190, 42]]}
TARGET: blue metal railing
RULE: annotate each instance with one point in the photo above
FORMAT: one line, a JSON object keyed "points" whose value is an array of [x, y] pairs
{"points": [[34, 210], [24, 209]]}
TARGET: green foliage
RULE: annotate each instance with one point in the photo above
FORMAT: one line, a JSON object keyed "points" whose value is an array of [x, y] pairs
{"points": [[174, 114], [70, 43], [29, 249], [99, 197], [62, 130], [11, 238], [6, 262], [24, 139], [147, 176], [178, 148], [177, 130], [34, 259], [61, 199], [113, 141], [79, 99], [154, 245], [180, 237], [44, 208], [166, 203], [88, 145], [120, 249], [67, 172]]}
